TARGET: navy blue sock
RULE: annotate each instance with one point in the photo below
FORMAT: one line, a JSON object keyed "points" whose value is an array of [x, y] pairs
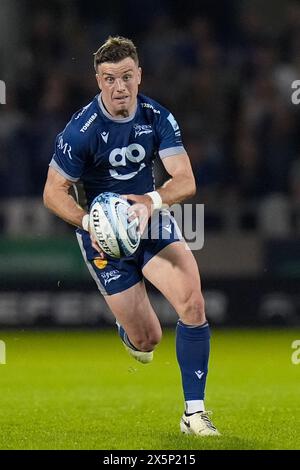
{"points": [[124, 337], [192, 349]]}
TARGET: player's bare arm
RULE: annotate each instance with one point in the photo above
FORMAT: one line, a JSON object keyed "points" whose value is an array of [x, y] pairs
{"points": [[178, 188], [181, 185], [58, 200]]}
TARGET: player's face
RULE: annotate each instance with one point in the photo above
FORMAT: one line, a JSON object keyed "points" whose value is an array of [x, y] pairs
{"points": [[119, 83]]}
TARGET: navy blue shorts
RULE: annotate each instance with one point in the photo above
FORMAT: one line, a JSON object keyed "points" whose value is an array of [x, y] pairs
{"points": [[116, 275]]}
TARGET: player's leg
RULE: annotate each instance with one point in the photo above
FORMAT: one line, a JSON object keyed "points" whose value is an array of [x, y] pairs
{"points": [[137, 322], [120, 281], [174, 272]]}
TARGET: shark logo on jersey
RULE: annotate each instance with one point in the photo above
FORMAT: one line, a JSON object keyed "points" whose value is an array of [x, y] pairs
{"points": [[104, 136], [140, 129], [110, 276], [118, 157]]}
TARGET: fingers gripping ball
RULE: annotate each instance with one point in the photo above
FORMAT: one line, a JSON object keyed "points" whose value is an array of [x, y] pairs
{"points": [[116, 235]]}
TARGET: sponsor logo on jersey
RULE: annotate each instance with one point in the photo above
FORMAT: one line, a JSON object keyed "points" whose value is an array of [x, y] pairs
{"points": [[149, 106], [110, 276], [104, 136], [118, 157], [140, 129], [65, 147], [82, 111], [89, 122], [100, 263]]}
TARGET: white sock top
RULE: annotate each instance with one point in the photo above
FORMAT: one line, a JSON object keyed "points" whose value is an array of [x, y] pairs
{"points": [[193, 406]]}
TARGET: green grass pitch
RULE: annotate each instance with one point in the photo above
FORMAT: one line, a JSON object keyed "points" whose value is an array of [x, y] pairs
{"points": [[80, 390]]}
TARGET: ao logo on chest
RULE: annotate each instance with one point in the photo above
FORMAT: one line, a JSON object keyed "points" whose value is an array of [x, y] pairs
{"points": [[120, 157]]}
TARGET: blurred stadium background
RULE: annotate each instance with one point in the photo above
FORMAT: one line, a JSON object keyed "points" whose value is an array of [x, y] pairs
{"points": [[225, 69]]}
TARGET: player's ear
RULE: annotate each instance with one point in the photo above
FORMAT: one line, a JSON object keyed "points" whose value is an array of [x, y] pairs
{"points": [[98, 80], [140, 75]]}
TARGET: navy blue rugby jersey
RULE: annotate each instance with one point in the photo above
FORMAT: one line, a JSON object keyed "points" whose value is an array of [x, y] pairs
{"points": [[101, 153]]}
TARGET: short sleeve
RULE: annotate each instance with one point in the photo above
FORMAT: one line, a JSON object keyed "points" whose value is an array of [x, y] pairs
{"points": [[170, 136], [69, 157]]}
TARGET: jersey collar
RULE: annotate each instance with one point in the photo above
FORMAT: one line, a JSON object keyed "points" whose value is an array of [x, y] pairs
{"points": [[114, 119]]}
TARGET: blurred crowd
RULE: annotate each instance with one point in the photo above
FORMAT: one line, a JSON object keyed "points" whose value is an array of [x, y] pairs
{"points": [[224, 70]]}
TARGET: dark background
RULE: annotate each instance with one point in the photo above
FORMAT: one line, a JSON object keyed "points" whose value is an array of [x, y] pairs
{"points": [[225, 70]]}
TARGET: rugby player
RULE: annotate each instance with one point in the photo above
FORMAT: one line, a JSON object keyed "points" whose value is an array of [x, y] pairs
{"points": [[111, 145]]}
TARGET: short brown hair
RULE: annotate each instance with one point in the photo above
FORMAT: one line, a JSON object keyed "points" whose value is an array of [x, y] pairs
{"points": [[114, 50]]}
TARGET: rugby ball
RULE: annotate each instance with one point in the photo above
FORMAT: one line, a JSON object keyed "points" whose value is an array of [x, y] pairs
{"points": [[115, 234]]}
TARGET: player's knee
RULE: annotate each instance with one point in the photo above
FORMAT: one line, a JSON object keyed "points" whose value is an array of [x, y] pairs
{"points": [[148, 342], [193, 311]]}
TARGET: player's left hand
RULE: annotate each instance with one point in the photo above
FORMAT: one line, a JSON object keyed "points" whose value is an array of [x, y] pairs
{"points": [[142, 208], [97, 247]]}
